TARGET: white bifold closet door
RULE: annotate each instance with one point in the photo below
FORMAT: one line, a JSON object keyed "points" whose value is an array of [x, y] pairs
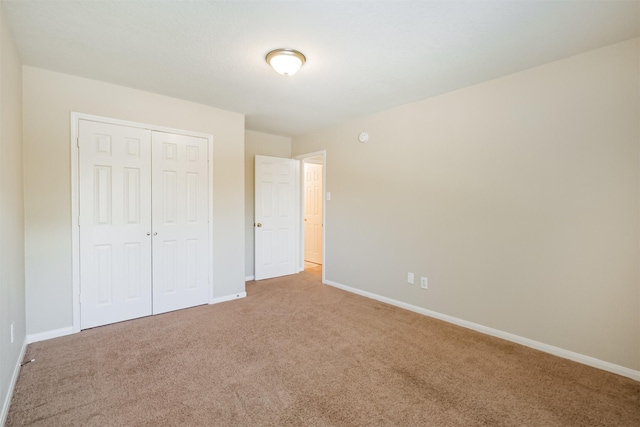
{"points": [[180, 222], [143, 222]]}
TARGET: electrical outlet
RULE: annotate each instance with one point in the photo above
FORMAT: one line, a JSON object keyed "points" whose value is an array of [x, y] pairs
{"points": [[410, 278], [424, 283], [11, 332]]}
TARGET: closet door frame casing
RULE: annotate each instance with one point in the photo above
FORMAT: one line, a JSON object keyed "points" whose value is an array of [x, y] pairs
{"points": [[75, 192]]}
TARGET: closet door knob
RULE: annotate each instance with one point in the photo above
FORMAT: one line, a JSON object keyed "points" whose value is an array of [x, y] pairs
{"points": [[258, 225], [148, 234], [155, 233]]}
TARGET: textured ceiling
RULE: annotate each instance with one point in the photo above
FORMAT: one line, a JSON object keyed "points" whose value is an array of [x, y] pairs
{"points": [[362, 56]]}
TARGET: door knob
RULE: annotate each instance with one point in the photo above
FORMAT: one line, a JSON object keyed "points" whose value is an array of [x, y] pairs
{"points": [[149, 234], [155, 233], [258, 225]]}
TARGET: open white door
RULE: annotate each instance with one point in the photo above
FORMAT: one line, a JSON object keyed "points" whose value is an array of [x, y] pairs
{"points": [[275, 216], [313, 213]]}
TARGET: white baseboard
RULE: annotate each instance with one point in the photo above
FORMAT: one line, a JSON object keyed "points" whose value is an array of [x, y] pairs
{"points": [[47, 335], [12, 384], [249, 278], [556, 351], [228, 298]]}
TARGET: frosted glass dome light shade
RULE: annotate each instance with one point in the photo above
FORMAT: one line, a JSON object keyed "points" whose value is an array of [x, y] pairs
{"points": [[286, 61]]}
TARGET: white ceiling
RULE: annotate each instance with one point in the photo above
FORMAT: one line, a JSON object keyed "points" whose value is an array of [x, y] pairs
{"points": [[362, 56]]}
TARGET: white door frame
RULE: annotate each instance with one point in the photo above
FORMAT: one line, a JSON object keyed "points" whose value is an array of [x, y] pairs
{"points": [[75, 191], [301, 157]]}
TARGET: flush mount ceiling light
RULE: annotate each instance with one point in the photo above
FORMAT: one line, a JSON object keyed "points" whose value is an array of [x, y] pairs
{"points": [[286, 61]]}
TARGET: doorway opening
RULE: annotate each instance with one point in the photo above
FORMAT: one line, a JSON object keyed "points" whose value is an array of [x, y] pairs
{"points": [[312, 212]]}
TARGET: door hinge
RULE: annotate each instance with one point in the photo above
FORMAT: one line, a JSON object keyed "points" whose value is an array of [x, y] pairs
{"points": [[78, 142]]}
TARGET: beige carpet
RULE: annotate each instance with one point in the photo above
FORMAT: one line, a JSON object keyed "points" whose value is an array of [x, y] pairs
{"points": [[299, 353]]}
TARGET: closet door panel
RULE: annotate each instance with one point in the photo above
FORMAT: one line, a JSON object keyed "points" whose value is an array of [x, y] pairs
{"points": [[180, 221], [115, 223]]}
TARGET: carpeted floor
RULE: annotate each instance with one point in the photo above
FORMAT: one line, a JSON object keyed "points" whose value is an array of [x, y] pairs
{"points": [[299, 353]]}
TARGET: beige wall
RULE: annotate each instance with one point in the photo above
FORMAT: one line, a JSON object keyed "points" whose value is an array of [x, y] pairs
{"points": [[518, 198], [12, 303], [48, 99], [256, 143]]}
